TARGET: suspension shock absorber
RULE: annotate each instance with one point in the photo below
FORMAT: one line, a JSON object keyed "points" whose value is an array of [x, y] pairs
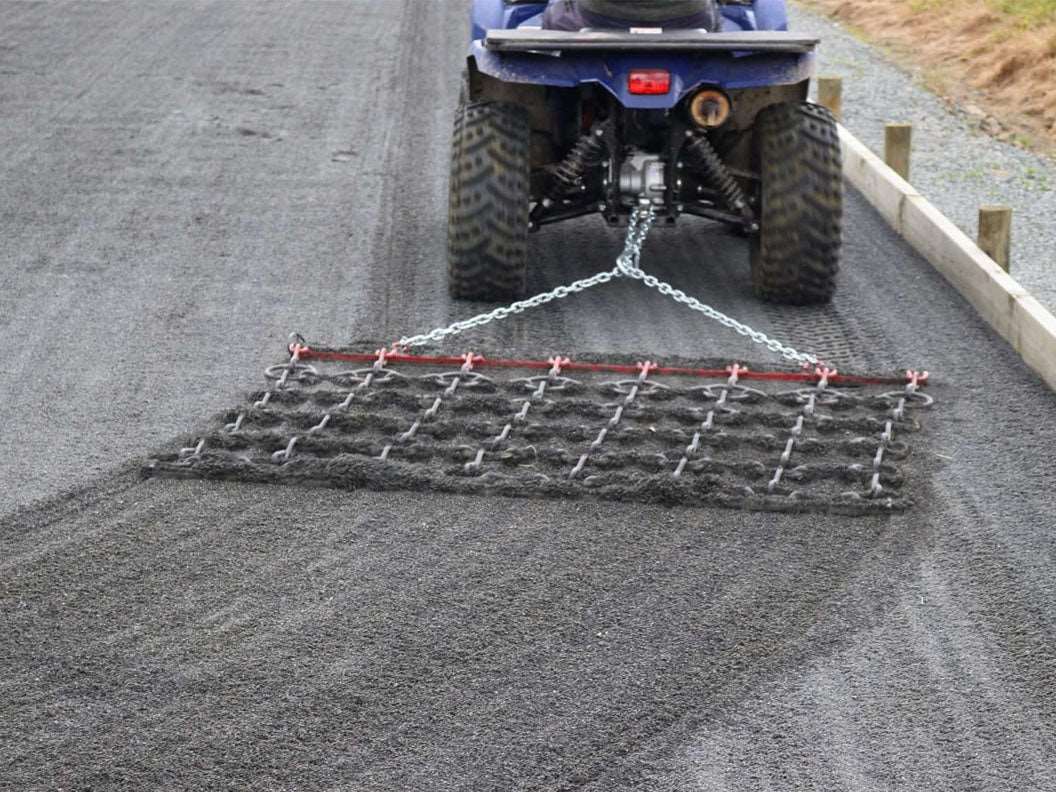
{"points": [[699, 153], [588, 152]]}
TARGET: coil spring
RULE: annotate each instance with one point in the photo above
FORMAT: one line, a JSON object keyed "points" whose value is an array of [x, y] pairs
{"points": [[589, 151], [701, 154]]}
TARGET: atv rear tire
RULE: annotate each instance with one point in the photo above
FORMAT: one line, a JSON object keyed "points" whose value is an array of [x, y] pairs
{"points": [[487, 234], [796, 255]]}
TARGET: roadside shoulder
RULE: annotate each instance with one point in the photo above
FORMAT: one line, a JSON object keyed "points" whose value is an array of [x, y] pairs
{"points": [[956, 167]]}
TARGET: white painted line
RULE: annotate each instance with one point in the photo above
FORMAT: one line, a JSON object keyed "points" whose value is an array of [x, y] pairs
{"points": [[1006, 306]]}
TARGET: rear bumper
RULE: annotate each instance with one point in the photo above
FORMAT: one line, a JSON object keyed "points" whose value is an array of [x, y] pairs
{"points": [[726, 65], [613, 41]]}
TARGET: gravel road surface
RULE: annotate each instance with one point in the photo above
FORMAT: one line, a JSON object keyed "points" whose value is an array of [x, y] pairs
{"points": [[186, 182]]}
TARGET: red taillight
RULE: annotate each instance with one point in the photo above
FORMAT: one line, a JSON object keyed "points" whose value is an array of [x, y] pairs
{"points": [[649, 82]]}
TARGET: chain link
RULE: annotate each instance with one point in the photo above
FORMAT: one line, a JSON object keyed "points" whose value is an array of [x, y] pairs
{"points": [[509, 310], [627, 266]]}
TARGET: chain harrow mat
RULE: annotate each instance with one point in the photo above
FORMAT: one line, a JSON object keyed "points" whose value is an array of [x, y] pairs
{"points": [[726, 436]]}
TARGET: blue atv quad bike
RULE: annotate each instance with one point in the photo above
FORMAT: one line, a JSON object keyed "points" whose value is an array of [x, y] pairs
{"points": [[556, 124]]}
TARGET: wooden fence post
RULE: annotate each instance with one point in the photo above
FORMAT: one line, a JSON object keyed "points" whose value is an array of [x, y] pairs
{"points": [[995, 234], [898, 142], [830, 95]]}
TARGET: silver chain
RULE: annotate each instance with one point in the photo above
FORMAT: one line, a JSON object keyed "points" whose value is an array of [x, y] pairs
{"points": [[627, 266]]}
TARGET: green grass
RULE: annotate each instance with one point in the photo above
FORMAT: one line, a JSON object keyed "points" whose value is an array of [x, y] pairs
{"points": [[1029, 13]]}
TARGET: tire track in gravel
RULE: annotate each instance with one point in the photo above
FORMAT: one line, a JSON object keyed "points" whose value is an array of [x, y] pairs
{"points": [[408, 286], [184, 216]]}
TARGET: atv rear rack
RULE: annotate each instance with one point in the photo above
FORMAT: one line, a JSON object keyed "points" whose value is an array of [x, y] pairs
{"points": [[535, 40]]}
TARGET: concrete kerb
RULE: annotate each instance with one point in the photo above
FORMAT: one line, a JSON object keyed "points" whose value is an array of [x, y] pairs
{"points": [[1006, 306]]}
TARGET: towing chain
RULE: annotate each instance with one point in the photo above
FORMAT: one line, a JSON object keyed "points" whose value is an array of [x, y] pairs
{"points": [[627, 266]]}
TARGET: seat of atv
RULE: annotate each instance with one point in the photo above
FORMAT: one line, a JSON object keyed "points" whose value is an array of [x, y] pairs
{"points": [[648, 39]]}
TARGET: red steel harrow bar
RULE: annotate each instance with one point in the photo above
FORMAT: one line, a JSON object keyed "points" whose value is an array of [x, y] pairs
{"points": [[305, 352]]}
